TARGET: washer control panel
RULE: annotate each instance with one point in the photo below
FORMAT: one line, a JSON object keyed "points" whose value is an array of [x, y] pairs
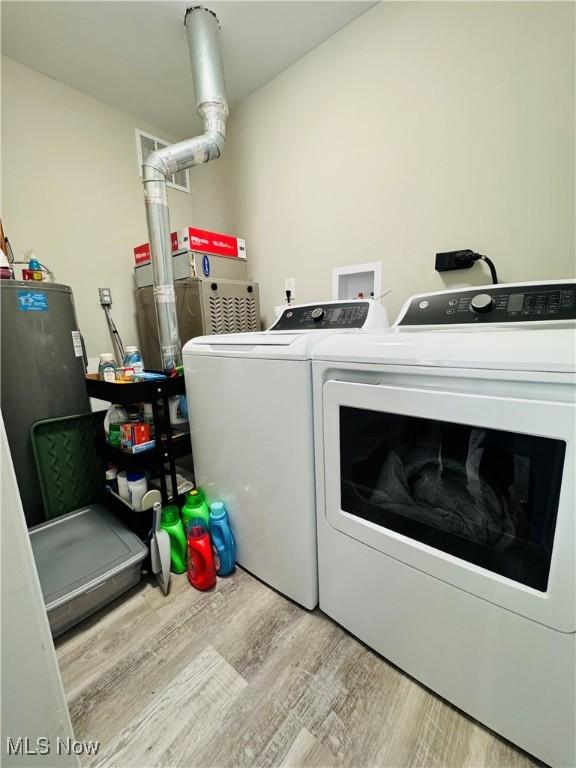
{"points": [[498, 304], [333, 315]]}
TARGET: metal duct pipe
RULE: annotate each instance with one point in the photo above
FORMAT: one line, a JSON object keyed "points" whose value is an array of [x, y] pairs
{"points": [[212, 106]]}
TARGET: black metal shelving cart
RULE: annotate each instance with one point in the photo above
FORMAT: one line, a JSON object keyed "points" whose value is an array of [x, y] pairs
{"points": [[169, 446]]}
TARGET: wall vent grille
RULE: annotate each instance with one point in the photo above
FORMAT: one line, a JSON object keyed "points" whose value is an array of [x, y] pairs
{"points": [[146, 143]]}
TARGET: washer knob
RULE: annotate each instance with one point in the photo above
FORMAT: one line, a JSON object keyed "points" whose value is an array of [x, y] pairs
{"points": [[317, 313], [482, 302]]}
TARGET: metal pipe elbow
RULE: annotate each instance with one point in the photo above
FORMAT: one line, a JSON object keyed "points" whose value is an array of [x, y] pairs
{"points": [[215, 143], [154, 168], [214, 115]]}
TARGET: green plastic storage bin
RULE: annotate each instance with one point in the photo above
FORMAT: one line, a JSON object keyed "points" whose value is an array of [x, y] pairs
{"points": [[70, 468]]}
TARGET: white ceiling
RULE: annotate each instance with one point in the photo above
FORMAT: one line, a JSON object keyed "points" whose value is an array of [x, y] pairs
{"points": [[134, 55]]}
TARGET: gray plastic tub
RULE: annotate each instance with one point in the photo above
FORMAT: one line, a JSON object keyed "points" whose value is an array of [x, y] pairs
{"points": [[85, 559]]}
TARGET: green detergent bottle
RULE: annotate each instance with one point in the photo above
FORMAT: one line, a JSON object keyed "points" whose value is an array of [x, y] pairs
{"points": [[171, 523], [196, 508]]}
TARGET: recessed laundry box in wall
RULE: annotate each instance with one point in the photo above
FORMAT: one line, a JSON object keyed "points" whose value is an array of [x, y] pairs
{"points": [[85, 559], [358, 281]]}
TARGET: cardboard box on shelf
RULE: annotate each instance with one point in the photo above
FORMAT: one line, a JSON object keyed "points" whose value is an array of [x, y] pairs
{"points": [[193, 264], [198, 240], [142, 252], [136, 437], [217, 244]]}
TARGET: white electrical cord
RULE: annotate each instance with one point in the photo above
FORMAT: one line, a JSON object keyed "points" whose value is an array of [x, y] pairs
{"points": [[383, 294]]}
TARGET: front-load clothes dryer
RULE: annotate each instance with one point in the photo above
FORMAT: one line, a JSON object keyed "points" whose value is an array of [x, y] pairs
{"points": [[445, 466], [250, 409]]}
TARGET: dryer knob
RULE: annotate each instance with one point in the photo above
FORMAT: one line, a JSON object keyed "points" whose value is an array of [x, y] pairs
{"points": [[317, 313], [482, 302]]}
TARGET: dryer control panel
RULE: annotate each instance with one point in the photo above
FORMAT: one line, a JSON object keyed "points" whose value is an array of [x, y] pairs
{"points": [[335, 315], [512, 303]]}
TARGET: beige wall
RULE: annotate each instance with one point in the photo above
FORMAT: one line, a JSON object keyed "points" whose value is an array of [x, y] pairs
{"points": [[71, 191], [420, 127]]}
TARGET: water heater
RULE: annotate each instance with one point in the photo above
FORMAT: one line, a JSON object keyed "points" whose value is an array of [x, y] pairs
{"points": [[42, 372]]}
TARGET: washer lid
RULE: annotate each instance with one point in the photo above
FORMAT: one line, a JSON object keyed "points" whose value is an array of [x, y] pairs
{"points": [[264, 344], [246, 339], [552, 350]]}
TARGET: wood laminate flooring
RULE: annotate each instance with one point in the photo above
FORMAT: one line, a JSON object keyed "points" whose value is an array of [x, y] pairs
{"points": [[240, 676]]}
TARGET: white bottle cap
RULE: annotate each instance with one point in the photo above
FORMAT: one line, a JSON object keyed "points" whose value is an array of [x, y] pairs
{"points": [[131, 349], [105, 356]]}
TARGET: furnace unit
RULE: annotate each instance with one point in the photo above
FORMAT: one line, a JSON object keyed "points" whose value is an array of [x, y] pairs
{"points": [[213, 295]]}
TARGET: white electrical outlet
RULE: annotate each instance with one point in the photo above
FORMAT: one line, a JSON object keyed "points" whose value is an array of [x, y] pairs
{"points": [[105, 297], [290, 285]]}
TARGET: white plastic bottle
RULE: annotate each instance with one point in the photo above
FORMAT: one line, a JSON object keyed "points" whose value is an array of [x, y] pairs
{"points": [[133, 359], [107, 367], [137, 487], [116, 414], [123, 490], [148, 416]]}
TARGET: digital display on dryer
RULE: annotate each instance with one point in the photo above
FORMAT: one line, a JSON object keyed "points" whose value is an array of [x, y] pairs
{"points": [[345, 314], [515, 302], [494, 304]]}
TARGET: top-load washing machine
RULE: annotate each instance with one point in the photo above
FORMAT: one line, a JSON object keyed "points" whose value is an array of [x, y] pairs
{"points": [[250, 409], [445, 469]]}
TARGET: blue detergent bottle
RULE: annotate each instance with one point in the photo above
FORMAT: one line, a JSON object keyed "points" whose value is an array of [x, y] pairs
{"points": [[222, 539]]}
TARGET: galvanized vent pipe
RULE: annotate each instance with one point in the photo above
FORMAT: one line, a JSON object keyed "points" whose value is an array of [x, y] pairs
{"points": [[212, 106]]}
